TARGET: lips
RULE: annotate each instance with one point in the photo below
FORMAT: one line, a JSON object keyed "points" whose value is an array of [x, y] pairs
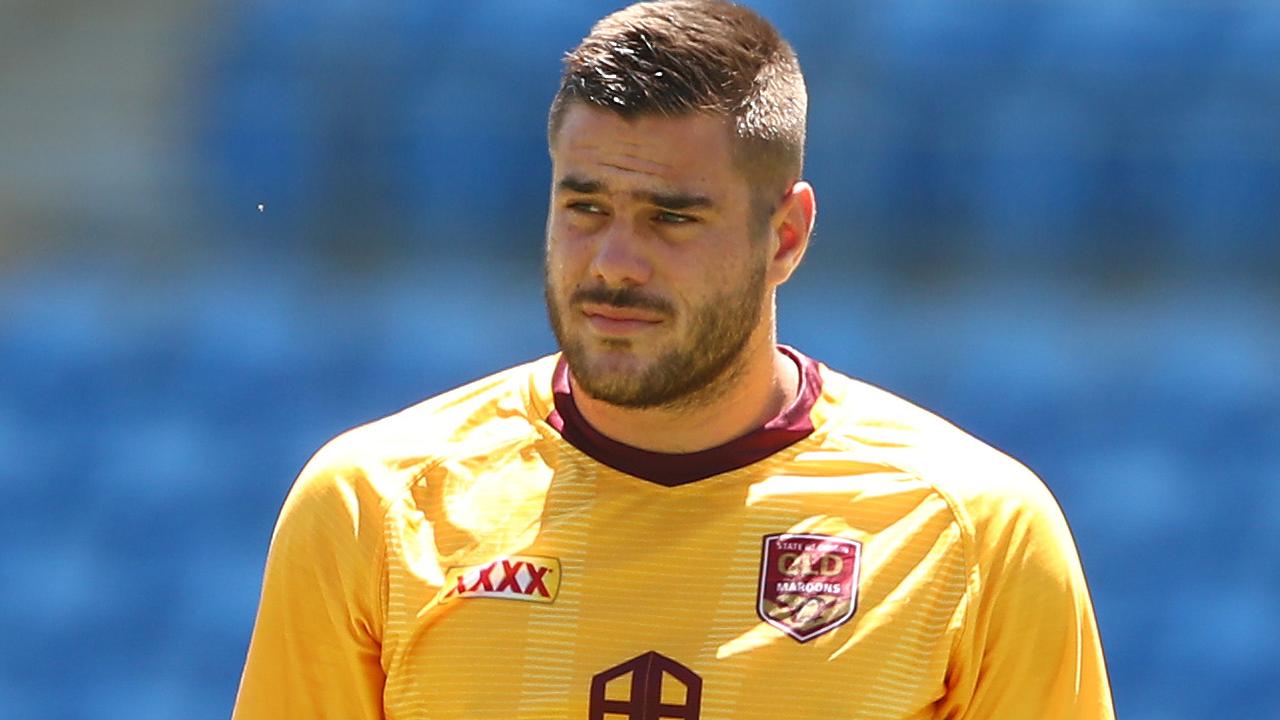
{"points": [[613, 312], [613, 320]]}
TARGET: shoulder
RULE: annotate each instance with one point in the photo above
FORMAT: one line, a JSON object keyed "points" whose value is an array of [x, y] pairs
{"points": [[375, 463], [984, 485]]}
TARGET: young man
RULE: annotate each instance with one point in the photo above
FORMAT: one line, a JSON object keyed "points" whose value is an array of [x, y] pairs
{"points": [[676, 517]]}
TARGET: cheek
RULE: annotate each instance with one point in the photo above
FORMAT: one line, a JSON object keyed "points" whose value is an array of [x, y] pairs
{"points": [[715, 270], [725, 280], [560, 267], [568, 253]]}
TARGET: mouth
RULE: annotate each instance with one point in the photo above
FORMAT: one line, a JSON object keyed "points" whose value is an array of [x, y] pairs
{"points": [[616, 321]]}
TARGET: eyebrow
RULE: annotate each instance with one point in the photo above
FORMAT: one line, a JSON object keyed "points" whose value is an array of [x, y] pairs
{"points": [[578, 185], [665, 200]]}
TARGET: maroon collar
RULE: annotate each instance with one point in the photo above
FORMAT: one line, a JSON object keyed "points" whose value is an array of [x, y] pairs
{"points": [[671, 469]]}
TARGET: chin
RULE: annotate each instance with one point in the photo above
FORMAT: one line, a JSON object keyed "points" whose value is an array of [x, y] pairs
{"points": [[615, 360], [606, 362]]}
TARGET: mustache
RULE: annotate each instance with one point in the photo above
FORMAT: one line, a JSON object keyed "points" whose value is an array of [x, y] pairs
{"points": [[623, 297]]}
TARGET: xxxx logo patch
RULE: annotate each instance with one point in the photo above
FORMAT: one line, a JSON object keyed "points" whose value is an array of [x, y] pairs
{"points": [[808, 583], [520, 577]]}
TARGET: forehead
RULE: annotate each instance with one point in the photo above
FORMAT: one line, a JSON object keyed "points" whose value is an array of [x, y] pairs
{"points": [[689, 152]]}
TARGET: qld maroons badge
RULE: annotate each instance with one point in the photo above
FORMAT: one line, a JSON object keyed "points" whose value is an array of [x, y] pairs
{"points": [[808, 583]]}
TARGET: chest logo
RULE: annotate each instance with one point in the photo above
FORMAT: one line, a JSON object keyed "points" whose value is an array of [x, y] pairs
{"points": [[649, 687], [808, 583], [519, 577]]}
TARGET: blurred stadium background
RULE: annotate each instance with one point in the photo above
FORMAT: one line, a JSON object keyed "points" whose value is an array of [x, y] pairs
{"points": [[1054, 222]]}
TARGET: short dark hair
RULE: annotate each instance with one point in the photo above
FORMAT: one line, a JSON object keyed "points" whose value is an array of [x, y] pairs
{"points": [[678, 57]]}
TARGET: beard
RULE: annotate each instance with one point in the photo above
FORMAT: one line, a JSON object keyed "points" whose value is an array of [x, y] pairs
{"points": [[699, 364]]}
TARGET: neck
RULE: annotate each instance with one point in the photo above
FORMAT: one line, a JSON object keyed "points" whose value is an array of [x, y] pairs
{"points": [[762, 384]]}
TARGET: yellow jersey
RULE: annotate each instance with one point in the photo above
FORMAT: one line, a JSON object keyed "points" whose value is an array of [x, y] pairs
{"points": [[488, 555]]}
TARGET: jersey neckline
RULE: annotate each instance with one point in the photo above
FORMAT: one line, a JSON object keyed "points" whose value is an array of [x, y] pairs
{"points": [[788, 427]]}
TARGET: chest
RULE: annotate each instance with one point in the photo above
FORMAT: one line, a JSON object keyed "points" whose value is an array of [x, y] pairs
{"points": [[606, 599]]}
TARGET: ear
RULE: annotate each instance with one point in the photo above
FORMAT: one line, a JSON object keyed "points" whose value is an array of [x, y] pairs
{"points": [[791, 226]]}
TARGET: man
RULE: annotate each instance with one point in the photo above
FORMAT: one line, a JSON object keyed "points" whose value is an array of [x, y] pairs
{"points": [[676, 517]]}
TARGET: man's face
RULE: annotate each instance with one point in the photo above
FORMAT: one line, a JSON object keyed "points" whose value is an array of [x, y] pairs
{"points": [[655, 276]]}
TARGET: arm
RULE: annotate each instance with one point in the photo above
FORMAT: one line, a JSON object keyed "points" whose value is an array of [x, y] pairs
{"points": [[316, 645], [1029, 647]]}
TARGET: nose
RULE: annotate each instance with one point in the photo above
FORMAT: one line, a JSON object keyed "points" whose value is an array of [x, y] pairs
{"points": [[620, 258]]}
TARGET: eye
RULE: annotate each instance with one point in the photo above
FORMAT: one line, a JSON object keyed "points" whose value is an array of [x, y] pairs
{"points": [[584, 207], [673, 218]]}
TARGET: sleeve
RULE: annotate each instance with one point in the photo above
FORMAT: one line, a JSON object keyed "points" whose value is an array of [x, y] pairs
{"points": [[316, 645], [1029, 647]]}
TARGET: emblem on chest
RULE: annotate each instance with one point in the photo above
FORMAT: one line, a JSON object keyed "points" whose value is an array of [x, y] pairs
{"points": [[649, 687], [808, 583], [519, 577]]}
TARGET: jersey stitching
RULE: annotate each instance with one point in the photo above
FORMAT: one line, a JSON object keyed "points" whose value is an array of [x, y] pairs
{"points": [[968, 540], [384, 570], [968, 543], [973, 575]]}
